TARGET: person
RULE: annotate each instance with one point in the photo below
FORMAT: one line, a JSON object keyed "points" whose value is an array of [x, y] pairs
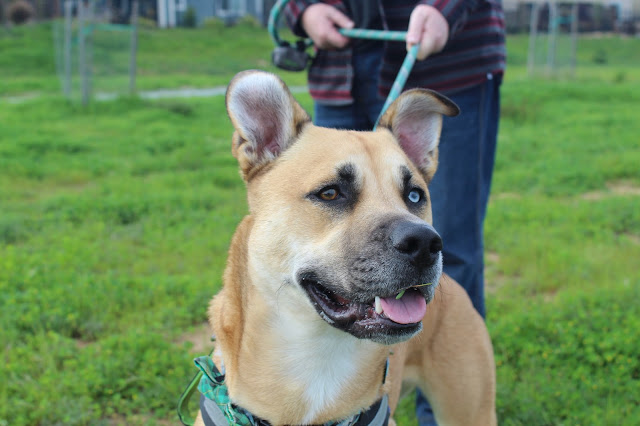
{"points": [[462, 55]]}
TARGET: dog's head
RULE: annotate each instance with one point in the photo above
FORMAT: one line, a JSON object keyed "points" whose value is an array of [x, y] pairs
{"points": [[341, 219]]}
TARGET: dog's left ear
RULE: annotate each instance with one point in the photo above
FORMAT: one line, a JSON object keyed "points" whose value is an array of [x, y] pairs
{"points": [[415, 119], [266, 117]]}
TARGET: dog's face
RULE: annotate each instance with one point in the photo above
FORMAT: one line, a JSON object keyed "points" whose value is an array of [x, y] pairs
{"points": [[341, 219]]}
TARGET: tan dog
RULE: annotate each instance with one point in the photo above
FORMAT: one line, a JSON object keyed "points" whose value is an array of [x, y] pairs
{"points": [[339, 228]]}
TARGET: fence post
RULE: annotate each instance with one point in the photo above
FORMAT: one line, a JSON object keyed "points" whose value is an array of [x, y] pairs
{"points": [[552, 31], [533, 33], [68, 7], [82, 52], [574, 36], [134, 48]]}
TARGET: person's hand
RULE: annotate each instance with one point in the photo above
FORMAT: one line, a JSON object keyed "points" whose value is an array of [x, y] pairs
{"points": [[428, 27], [321, 22]]}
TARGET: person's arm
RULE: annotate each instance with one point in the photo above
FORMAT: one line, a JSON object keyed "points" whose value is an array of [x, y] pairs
{"points": [[433, 21], [293, 14], [319, 21]]}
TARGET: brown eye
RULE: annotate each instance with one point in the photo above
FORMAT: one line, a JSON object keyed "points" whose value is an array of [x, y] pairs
{"points": [[329, 194]]}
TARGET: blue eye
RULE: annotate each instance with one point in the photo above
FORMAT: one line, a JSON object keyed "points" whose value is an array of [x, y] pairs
{"points": [[414, 196]]}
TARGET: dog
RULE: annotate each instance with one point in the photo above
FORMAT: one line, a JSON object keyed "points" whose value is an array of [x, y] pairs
{"points": [[334, 278]]}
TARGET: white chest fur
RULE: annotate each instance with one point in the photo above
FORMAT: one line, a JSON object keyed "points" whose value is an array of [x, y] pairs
{"points": [[324, 360]]}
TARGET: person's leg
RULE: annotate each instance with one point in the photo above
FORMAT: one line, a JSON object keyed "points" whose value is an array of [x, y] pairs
{"points": [[363, 113], [460, 187], [366, 67], [460, 193], [336, 117]]}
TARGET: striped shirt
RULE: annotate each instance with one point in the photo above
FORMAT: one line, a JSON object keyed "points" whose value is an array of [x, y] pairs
{"points": [[474, 51]]}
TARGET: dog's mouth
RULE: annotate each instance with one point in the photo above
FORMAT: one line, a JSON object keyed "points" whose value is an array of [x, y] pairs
{"points": [[385, 319]]}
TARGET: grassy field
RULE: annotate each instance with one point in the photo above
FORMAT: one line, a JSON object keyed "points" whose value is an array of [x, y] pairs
{"points": [[166, 59], [115, 221], [207, 57]]}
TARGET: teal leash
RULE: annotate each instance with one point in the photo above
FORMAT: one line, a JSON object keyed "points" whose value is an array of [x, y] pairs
{"points": [[400, 80], [274, 19], [374, 34], [405, 68], [407, 64]]}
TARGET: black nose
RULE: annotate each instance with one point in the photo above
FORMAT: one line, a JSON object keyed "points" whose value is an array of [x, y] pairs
{"points": [[419, 241]]}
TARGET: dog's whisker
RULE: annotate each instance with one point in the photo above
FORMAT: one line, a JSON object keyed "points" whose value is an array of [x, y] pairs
{"points": [[278, 292]]}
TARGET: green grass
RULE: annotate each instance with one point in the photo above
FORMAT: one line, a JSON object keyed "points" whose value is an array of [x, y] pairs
{"points": [[166, 59], [113, 235], [210, 56], [115, 221], [563, 237]]}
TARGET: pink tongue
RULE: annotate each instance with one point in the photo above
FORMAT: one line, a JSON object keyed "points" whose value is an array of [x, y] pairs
{"points": [[410, 308]]}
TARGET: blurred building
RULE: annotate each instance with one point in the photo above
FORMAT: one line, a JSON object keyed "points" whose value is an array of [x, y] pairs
{"points": [[171, 13], [592, 15]]}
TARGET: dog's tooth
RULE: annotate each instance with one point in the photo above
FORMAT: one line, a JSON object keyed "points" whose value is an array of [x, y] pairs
{"points": [[378, 305]]}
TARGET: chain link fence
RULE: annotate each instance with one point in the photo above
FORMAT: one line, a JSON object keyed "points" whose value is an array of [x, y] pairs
{"points": [[563, 35], [95, 57]]}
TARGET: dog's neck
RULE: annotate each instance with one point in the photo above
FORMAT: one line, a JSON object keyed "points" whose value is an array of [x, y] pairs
{"points": [[291, 367], [313, 365]]}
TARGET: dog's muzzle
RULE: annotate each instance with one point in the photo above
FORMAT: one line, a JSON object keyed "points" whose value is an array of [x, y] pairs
{"points": [[390, 284]]}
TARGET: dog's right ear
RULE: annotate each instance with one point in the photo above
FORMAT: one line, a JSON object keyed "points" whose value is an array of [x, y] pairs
{"points": [[266, 117], [415, 119]]}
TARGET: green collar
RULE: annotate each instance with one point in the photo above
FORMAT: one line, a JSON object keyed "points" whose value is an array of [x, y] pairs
{"points": [[213, 388]]}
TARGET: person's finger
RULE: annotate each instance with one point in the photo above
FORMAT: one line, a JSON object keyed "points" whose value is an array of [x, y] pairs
{"points": [[336, 40], [428, 27], [417, 22], [427, 46], [340, 19], [321, 22]]}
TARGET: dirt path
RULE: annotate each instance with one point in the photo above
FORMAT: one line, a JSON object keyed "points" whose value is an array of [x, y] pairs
{"points": [[148, 94]]}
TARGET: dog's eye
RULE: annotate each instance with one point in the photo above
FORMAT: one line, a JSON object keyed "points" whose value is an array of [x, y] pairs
{"points": [[414, 196], [329, 194]]}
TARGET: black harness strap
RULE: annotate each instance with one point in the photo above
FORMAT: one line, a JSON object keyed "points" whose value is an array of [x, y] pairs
{"points": [[376, 415]]}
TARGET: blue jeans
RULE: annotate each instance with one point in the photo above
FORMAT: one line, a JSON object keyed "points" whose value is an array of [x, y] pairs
{"points": [[460, 193], [460, 188]]}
